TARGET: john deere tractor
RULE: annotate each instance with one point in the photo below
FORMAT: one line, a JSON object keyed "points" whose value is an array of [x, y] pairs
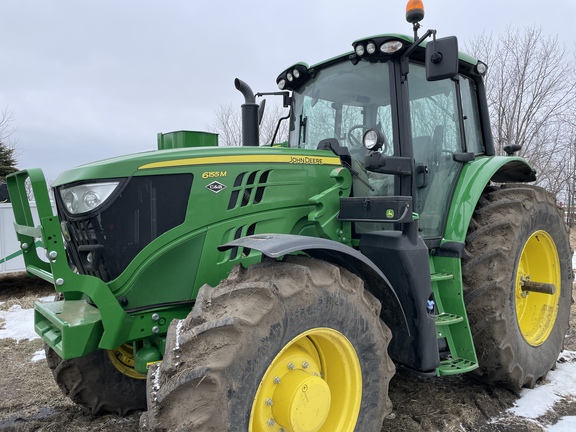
{"points": [[277, 286]]}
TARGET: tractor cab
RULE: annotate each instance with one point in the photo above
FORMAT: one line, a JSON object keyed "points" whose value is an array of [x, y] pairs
{"points": [[404, 117]]}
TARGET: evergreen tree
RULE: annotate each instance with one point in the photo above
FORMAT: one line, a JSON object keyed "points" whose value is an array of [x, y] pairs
{"points": [[7, 161]]}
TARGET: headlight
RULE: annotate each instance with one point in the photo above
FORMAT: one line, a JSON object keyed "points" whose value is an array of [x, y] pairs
{"points": [[86, 197]]}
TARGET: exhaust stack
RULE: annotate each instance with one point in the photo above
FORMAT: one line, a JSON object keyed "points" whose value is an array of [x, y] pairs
{"points": [[250, 128]]}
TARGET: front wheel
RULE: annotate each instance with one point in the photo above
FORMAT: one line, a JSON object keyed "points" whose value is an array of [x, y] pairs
{"points": [[293, 346], [96, 382], [517, 276]]}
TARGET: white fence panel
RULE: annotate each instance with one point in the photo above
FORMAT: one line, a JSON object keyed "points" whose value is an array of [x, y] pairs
{"points": [[11, 259]]}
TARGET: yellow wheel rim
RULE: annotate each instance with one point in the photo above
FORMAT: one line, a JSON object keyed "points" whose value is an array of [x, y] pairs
{"points": [[123, 359], [536, 312], [313, 384]]}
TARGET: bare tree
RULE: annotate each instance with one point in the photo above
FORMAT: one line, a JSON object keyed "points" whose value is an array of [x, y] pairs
{"points": [[531, 90], [228, 125]]}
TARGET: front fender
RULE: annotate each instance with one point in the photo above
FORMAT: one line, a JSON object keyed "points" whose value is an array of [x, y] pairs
{"points": [[473, 179], [278, 245]]}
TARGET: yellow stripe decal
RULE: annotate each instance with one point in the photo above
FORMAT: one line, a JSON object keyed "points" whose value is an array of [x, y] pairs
{"points": [[289, 159]]}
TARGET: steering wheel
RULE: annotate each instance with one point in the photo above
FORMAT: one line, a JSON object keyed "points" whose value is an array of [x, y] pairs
{"points": [[352, 139], [358, 144]]}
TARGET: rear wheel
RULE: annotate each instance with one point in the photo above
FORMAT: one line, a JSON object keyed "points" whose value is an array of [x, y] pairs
{"points": [[103, 381], [517, 284], [294, 346]]}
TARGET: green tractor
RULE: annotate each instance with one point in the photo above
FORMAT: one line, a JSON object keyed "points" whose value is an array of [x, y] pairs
{"points": [[277, 287]]}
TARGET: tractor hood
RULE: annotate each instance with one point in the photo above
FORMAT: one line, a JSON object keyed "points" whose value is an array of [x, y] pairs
{"points": [[168, 161]]}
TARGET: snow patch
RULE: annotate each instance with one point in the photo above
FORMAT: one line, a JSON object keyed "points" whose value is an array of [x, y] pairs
{"points": [[38, 355], [559, 384], [17, 323], [566, 424]]}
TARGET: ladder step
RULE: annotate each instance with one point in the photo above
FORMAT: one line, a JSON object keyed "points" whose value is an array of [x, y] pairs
{"points": [[447, 319], [455, 366], [438, 277]]}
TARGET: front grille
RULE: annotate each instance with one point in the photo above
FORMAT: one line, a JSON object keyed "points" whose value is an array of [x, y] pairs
{"points": [[104, 242]]}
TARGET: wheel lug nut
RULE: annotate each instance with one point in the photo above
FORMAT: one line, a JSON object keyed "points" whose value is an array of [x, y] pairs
{"points": [[271, 422], [276, 380], [291, 366], [269, 402], [305, 365]]}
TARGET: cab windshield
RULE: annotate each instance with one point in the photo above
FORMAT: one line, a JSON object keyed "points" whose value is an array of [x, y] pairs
{"points": [[344, 100]]}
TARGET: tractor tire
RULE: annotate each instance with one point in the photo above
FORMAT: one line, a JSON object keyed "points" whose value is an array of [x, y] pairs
{"points": [[517, 236], [296, 345], [93, 382]]}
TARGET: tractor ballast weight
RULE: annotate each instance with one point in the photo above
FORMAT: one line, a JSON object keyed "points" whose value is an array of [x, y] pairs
{"points": [[385, 231]]}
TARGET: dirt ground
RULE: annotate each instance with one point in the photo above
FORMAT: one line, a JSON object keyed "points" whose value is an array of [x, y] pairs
{"points": [[31, 401]]}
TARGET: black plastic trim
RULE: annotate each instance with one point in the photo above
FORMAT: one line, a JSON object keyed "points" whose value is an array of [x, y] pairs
{"points": [[279, 245]]}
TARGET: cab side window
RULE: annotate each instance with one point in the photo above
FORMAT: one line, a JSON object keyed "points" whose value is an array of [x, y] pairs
{"points": [[471, 113]]}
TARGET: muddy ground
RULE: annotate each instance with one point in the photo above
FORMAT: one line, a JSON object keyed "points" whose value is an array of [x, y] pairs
{"points": [[31, 401]]}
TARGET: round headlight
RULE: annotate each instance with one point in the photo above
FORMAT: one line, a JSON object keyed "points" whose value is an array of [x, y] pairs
{"points": [[360, 50], [373, 139], [296, 73], [371, 48], [290, 77], [91, 200], [481, 68], [281, 84]]}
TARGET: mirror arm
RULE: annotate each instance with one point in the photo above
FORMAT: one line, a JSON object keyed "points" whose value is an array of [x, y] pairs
{"points": [[410, 50], [426, 35]]}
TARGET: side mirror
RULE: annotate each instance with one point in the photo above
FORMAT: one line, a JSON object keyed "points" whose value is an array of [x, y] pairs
{"points": [[442, 58]]}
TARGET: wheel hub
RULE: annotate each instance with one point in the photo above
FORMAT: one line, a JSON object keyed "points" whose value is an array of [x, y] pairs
{"points": [[123, 359], [537, 302], [314, 384], [302, 401]]}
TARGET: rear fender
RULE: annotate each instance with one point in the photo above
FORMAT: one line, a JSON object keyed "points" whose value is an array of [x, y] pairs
{"points": [[279, 245], [473, 179]]}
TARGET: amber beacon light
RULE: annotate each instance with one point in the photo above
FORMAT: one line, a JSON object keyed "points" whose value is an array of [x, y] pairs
{"points": [[414, 11]]}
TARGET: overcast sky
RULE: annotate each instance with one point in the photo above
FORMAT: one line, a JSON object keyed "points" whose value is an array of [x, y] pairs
{"points": [[87, 80]]}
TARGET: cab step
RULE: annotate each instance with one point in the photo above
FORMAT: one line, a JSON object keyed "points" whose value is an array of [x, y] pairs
{"points": [[450, 317], [455, 366], [447, 319], [438, 277]]}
